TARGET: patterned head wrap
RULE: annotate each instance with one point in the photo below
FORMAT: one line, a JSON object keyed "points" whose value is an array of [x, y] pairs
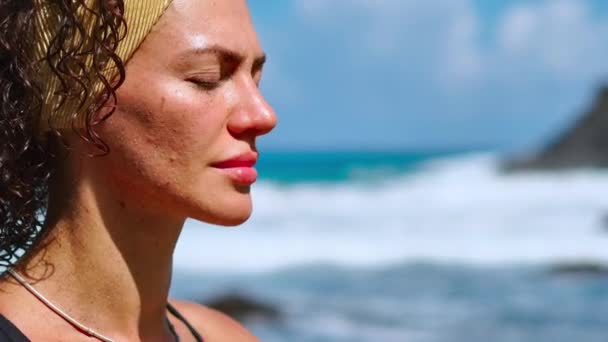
{"points": [[59, 107]]}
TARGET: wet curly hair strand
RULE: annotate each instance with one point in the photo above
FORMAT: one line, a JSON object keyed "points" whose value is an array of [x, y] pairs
{"points": [[26, 160]]}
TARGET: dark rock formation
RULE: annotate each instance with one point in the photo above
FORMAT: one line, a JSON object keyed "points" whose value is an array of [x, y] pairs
{"points": [[585, 269], [242, 308], [584, 145]]}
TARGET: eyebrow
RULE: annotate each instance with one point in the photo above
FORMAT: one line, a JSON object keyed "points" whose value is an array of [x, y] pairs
{"points": [[226, 55]]}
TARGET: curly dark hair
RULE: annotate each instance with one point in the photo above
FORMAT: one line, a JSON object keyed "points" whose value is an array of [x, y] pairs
{"points": [[26, 160]]}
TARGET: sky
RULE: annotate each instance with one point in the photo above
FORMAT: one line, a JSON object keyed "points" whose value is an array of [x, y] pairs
{"points": [[429, 74]]}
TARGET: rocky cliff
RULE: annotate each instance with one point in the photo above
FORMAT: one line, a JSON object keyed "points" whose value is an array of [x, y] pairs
{"points": [[585, 144]]}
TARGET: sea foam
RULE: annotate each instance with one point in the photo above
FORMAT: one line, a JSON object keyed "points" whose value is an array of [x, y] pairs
{"points": [[449, 210]]}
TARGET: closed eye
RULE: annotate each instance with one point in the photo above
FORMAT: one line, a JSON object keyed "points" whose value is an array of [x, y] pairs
{"points": [[210, 80]]}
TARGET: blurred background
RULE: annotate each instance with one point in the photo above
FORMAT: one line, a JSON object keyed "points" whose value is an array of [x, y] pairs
{"points": [[438, 174]]}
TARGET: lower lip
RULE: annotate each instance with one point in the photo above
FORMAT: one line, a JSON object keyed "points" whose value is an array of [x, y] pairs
{"points": [[241, 175]]}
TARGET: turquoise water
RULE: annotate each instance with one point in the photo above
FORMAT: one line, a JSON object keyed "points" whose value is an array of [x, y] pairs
{"points": [[331, 166]]}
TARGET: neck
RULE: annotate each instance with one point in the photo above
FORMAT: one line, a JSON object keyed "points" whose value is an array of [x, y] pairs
{"points": [[106, 262]]}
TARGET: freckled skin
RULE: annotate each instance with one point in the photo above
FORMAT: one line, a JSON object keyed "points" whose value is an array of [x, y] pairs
{"points": [[167, 131]]}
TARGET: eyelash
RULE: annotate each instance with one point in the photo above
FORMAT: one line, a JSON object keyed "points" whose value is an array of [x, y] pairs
{"points": [[206, 85], [209, 86]]}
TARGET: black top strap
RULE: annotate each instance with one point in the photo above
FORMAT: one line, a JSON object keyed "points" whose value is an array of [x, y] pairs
{"points": [[181, 318], [9, 332]]}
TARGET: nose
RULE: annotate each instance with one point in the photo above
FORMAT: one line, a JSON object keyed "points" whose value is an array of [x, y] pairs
{"points": [[252, 114]]}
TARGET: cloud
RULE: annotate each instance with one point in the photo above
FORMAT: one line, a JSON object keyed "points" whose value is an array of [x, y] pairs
{"points": [[560, 37], [555, 36], [438, 33]]}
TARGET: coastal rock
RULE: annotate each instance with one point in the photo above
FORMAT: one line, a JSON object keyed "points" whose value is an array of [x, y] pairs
{"points": [[584, 269], [243, 308], [585, 144]]}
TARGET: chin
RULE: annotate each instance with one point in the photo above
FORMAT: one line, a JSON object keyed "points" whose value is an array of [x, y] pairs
{"points": [[233, 219], [232, 213]]}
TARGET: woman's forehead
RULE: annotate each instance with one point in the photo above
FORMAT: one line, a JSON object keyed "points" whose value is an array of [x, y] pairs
{"points": [[198, 24]]}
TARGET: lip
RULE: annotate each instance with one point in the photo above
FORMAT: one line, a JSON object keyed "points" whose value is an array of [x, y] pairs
{"points": [[247, 159], [240, 168]]}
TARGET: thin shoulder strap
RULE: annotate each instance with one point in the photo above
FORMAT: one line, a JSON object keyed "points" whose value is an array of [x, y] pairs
{"points": [[181, 318]]}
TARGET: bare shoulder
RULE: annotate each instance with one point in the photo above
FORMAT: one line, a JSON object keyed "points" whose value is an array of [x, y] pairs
{"points": [[214, 325]]}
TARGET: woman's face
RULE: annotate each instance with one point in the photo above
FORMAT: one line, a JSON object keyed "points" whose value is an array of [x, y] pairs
{"points": [[183, 135]]}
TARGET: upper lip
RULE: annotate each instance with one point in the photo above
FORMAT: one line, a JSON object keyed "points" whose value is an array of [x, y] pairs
{"points": [[247, 159]]}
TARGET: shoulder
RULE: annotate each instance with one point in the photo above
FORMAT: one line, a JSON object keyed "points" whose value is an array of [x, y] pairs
{"points": [[213, 325]]}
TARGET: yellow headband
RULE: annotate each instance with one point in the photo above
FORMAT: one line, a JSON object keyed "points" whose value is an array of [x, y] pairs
{"points": [[140, 16]]}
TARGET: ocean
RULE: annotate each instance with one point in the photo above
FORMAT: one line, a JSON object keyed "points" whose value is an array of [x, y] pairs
{"points": [[410, 247]]}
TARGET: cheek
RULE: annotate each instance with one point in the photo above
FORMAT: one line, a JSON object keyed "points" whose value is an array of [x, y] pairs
{"points": [[160, 140], [169, 122]]}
